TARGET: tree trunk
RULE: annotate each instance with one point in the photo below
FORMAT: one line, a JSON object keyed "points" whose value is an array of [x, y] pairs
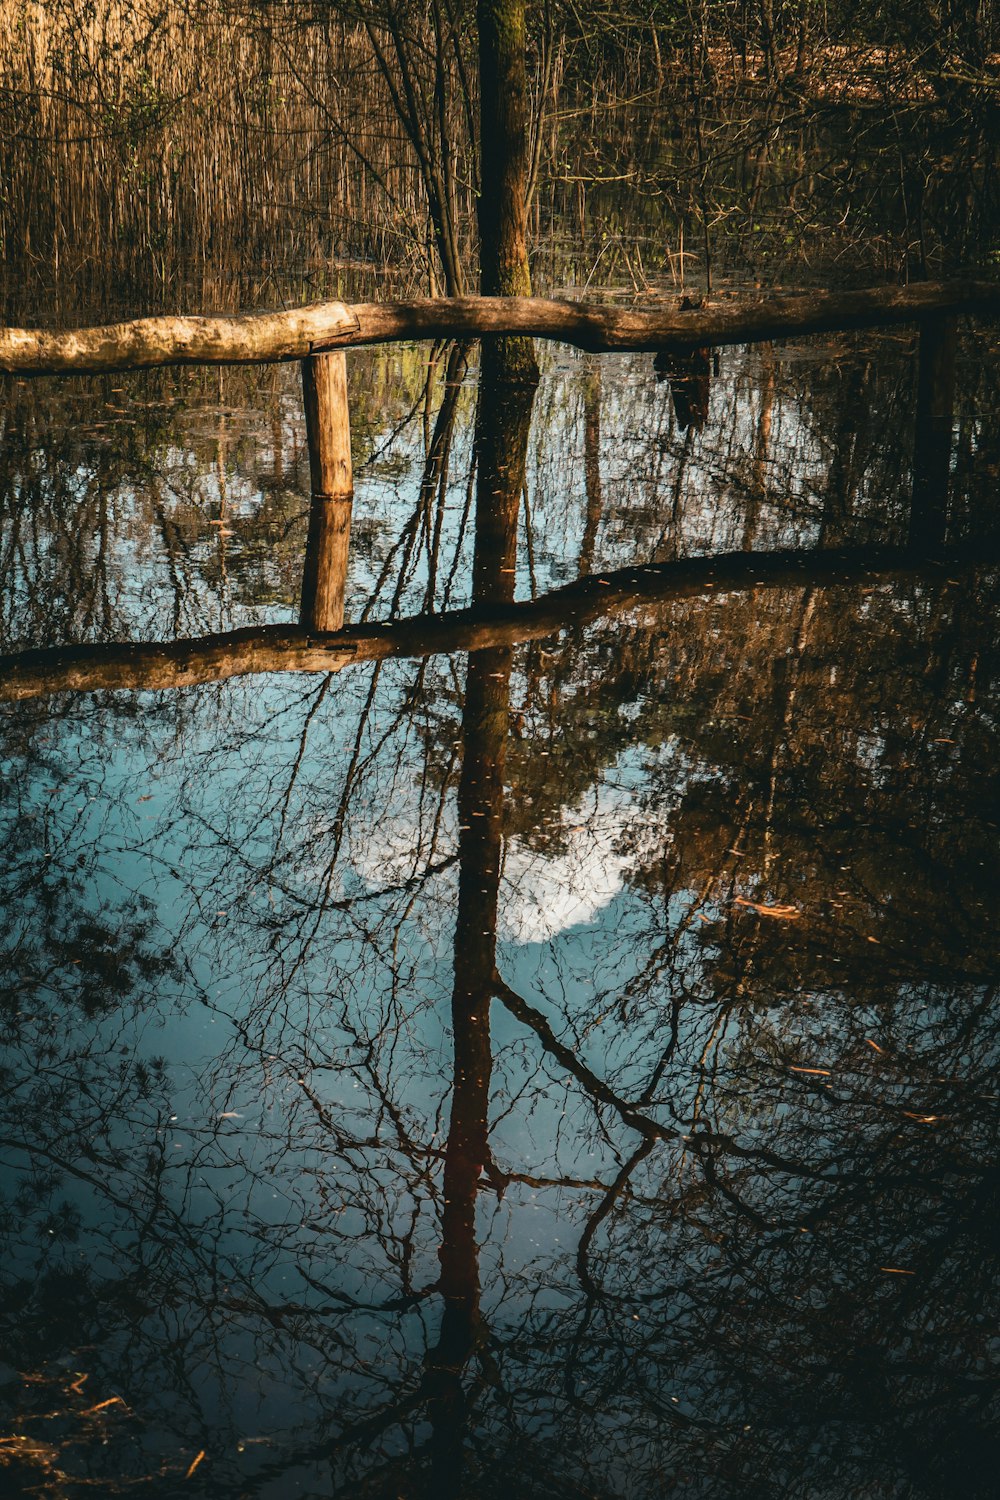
{"points": [[503, 230], [591, 466]]}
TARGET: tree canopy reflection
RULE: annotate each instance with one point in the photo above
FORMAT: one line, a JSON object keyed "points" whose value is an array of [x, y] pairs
{"points": [[564, 1070]]}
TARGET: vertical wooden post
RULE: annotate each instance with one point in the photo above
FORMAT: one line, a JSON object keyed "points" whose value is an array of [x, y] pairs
{"points": [[328, 431], [932, 439]]}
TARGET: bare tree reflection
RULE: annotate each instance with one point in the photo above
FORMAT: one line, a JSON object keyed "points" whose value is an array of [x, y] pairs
{"points": [[572, 1077]]}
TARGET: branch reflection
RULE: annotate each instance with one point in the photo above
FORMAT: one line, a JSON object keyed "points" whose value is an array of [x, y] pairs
{"points": [[569, 1068]]}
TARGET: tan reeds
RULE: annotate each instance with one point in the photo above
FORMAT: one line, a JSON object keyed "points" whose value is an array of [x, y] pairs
{"points": [[156, 133]]}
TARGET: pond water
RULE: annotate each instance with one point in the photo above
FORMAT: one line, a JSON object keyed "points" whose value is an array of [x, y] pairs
{"points": [[566, 1067]]}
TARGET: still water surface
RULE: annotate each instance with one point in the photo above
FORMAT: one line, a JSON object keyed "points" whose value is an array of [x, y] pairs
{"points": [[564, 1068]]}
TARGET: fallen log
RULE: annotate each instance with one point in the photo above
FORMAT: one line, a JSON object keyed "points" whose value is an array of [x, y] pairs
{"points": [[145, 343], [270, 337], [602, 330], [157, 666]]}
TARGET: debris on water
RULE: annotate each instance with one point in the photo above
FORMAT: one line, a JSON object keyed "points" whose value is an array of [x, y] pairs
{"points": [[194, 1463], [782, 913], [102, 1405]]}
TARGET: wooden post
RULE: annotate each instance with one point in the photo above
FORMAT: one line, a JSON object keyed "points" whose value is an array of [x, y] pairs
{"points": [[932, 439], [328, 431]]}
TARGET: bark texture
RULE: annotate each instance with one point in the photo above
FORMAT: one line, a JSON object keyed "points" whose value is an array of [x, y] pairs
{"points": [[294, 335], [504, 168], [145, 343]]}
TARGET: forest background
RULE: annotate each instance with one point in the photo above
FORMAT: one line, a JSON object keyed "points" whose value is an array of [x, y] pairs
{"points": [[207, 154]]}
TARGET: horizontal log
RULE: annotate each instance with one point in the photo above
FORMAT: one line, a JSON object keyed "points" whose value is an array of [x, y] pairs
{"points": [[157, 666], [269, 337], [603, 330], [145, 343]]}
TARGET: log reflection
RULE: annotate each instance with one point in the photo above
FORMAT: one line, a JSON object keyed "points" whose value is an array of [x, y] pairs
{"points": [[690, 378], [162, 665]]}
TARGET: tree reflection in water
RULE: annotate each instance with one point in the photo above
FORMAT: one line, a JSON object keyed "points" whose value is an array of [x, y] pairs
{"points": [[502, 443], [697, 1191]]}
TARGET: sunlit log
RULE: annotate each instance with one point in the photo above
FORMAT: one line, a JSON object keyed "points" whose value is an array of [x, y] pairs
{"points": [[328, 431], [145, 343], [269, 337], [157, 666]]}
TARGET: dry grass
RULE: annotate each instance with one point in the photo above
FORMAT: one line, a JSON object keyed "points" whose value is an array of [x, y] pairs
{"points": [[167, 130], [209, 154]]}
